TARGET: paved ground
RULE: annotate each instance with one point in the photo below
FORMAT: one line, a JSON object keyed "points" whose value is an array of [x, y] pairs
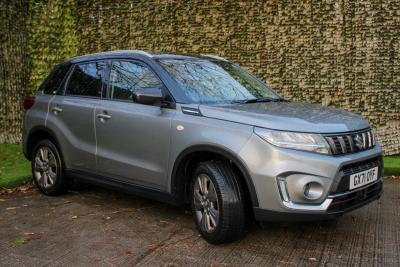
{"points": [[101, 227]]}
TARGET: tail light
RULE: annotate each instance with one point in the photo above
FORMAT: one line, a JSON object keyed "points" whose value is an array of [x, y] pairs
{"points": [[28, 102]]}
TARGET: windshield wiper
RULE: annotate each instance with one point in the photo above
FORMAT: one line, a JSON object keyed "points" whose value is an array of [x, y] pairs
{"points": [[258, 100]]}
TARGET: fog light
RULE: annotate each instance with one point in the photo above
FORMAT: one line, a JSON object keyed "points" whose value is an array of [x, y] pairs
{"points": [[313, 191]]}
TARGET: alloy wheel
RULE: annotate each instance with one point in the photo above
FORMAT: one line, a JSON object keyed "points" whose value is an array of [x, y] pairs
{"points": [[45, 167], [206, 203]]}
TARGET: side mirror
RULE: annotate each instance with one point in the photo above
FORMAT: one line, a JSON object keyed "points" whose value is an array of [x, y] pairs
{"points": [[148, 96]]}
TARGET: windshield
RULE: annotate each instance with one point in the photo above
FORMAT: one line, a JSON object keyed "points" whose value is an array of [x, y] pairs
{"points": [[206, 81]]}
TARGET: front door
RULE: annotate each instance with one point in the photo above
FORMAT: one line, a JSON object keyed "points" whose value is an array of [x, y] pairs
{"points": [[133, 139]]}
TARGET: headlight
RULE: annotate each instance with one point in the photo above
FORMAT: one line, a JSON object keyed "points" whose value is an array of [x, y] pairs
{"points": [[300, 141]]}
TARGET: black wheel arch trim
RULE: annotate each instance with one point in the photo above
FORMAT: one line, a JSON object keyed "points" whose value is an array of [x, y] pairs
{"points": [[223, 152], [40, 129]]}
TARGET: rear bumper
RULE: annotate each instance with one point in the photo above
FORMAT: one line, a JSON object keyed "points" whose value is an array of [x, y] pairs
{"points": [[341, 203]]}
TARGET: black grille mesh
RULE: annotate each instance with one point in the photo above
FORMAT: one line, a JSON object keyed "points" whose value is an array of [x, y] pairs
{"points": [[346, 171]]}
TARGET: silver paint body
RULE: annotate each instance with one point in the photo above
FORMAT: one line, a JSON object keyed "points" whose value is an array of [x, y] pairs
{"points": [[140, 144]]}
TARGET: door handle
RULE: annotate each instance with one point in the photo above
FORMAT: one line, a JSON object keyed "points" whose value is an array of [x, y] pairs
{"points": [[103, 116], [56, 109]]}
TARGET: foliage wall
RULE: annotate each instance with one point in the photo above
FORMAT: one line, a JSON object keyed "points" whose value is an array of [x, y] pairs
{"points": [[13, 67], [341, 53], [52, 36], [35, 36]]}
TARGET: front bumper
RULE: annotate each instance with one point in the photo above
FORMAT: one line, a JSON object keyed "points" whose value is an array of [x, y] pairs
{"points": [[269, 164], [340, 204]]}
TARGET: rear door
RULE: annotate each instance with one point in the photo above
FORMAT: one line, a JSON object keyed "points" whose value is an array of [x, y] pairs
{"points": [[71, 115], [133, 139]]}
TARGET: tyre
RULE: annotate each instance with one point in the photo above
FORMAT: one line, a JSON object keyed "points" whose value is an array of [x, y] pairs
{"points": [[217, 202], [47, 169]]}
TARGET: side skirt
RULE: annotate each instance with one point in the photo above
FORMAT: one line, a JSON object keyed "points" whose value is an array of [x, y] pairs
{"points": [[122, 186]]}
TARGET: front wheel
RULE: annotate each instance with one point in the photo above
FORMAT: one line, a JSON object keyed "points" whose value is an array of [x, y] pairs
{"points": [[47, 169], [217, 202]]}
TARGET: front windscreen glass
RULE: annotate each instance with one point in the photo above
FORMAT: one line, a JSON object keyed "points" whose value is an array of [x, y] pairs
{"points": [[209, 81]]}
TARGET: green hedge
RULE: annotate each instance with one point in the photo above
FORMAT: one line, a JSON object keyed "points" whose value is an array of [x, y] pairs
{"points": [[13, 67], [339, 53], [52, 36]]}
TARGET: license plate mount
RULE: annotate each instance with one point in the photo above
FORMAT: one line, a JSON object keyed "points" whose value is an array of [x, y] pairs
{"points": [[360, 179]]}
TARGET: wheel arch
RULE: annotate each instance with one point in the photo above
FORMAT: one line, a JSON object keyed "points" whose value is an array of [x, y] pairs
{"points": [[35, 135], [196, 153]]}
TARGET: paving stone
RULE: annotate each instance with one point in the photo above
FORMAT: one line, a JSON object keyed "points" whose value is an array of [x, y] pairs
{"points": [[98, 227]]}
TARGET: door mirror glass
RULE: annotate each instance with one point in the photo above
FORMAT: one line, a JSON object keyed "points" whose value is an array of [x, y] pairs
{"points": [[148, 96]]}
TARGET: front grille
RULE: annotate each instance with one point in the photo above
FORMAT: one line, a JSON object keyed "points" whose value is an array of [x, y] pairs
{"points": [[356, 199], [343, 183], [351, 142]]}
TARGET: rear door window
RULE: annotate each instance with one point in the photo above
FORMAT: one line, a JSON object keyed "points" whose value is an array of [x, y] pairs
{"points": [[55, 79], [87, 79]]}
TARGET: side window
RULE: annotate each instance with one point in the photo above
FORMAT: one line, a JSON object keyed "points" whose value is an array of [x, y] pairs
{"points": [[55, 79], [86, 80], [128, 76]]}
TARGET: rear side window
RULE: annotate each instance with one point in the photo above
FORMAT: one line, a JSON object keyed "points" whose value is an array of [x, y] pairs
{"points": [[55, 79], [127, 76], [87, 80]]}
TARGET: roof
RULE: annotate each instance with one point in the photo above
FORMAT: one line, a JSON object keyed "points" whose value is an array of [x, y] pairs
{"points": [[129, 53]]}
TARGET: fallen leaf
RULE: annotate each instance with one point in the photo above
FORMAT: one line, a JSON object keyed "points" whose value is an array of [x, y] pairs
{"points": [[33, 237], [115, 212], [19, 241], [129, 253], [29, 233], [74, 217], [12, 208], [312, 259]]}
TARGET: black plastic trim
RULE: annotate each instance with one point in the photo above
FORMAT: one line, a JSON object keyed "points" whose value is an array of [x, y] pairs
{"points": [[223, 152], [122, 186], [342, 180], [32, 132], [191, 111]]}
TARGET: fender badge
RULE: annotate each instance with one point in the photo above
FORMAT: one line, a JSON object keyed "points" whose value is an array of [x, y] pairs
{"points": [[180, 127]]}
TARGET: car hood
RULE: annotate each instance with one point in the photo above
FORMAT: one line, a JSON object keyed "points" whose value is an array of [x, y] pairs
{"points": [[288, 116]]}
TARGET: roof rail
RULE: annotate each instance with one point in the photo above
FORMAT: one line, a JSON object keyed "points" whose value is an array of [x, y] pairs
{"points": [[214, 56], [134, 51], [116, 51]]}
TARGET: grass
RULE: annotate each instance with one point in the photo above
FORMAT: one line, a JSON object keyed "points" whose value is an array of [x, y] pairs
{"points": [[15, 169], [392, 165]]}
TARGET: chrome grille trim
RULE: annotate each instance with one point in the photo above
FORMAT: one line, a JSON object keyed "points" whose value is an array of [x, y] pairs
{"points": [[350, 142], [342, 144], [369, 138]]}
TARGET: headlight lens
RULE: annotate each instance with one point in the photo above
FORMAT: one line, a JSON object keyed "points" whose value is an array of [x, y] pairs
{"points": [[300, 141]]}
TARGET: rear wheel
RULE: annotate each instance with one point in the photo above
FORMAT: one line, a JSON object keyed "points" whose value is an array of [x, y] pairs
{"points": [[217, 202], [47, 169]]}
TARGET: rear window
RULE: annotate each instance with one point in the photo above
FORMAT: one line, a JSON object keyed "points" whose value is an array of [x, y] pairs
{"points": [[87, 80], [54, 80]]}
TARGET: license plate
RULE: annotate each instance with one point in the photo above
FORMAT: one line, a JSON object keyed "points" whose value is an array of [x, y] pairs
{"points": [[362, 178]]}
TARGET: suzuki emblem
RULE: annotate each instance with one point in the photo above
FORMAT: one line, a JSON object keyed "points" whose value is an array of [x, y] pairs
{"points": [[359, 142]]}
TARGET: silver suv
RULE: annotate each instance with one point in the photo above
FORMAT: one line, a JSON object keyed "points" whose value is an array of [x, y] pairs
{"points": [[199, 131]]}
